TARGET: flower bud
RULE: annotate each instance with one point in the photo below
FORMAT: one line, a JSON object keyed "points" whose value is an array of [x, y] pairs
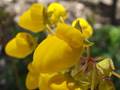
{"points": [[84, 27], [55, 11]]}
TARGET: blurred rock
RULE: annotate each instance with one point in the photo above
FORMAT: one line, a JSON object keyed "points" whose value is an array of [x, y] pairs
{"points": [[46, 1], [5, 2], [0, 49], [2, 64], [76, 9], [91, 1], [118, 10], [107, 2]]}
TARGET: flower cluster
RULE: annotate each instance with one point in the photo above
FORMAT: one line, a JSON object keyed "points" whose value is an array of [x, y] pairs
{"points": [[58, 63]]}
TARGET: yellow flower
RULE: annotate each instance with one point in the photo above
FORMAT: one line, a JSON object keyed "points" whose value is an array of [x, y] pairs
{"points": [[78, 89], [34, 19], [84, 27], [55, 81], [70, 34], [21, 46], [51, 81], [44, 81], [62, 86], [32, 78], [55, 11], [31, 81], [52, 51]]}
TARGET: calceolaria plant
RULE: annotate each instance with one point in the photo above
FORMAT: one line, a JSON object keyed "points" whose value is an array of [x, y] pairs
{"points": [[58, 61]]}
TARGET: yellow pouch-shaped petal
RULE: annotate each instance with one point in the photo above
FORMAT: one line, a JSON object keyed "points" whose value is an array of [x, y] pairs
{"points": [[69, 34], [55, 11], [32, 81], [62, 82], [44, 81], [52, 81], [32, 78], [34, 18], [78, 89], [55, 81], [84, 27], [54, 54], [62, 86], [21, 46]]}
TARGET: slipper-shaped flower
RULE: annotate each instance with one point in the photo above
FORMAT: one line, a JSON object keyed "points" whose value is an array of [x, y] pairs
{"points": [[53, 50], [34, 19], [84, 27], [56, 81], [55, 11], [21, 46], [32, 78]]}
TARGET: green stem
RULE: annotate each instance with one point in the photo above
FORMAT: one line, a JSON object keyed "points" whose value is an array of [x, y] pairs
{"points": [[49, 29], [16, 74], [115, 74], [88, 52], [93, 78]]}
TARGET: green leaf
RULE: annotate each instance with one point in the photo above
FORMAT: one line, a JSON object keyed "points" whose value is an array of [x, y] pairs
{"points": [[88, 43]]}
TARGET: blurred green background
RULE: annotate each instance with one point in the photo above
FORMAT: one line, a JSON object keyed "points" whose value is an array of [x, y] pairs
{"points": [[103, 15]]}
